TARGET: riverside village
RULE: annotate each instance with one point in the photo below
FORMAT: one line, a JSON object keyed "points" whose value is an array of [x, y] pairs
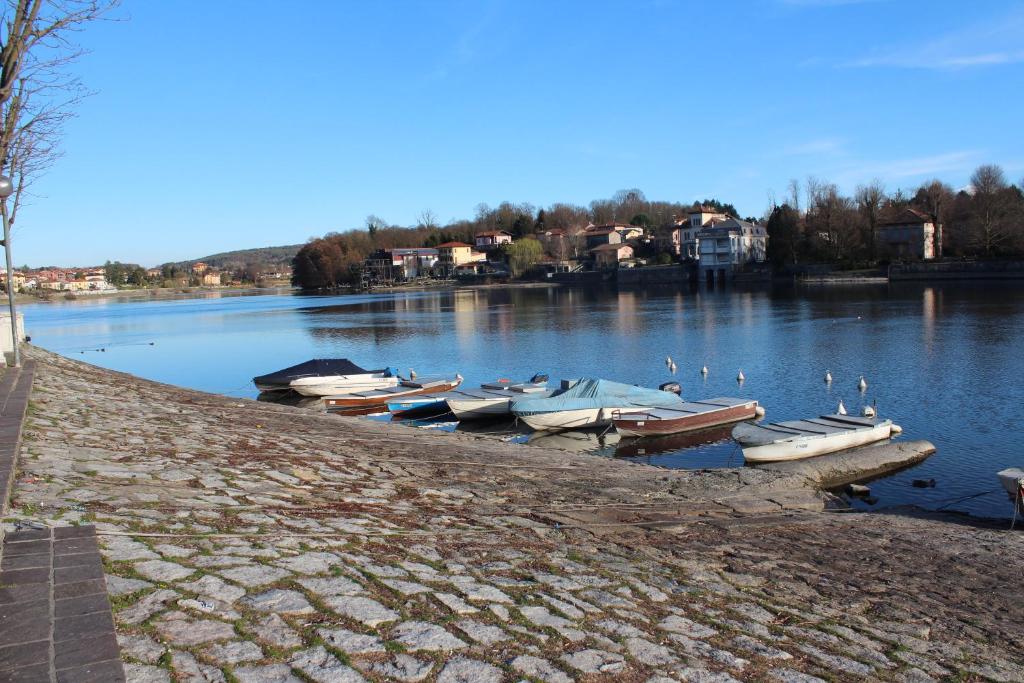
{"points": [[758, 421]]}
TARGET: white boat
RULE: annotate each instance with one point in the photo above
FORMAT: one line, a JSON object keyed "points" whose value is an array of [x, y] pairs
{"points": [[800, 439], [492, 400], [587, 403], [339, 385], [556, 420], [313, 370], [1012, 480]]}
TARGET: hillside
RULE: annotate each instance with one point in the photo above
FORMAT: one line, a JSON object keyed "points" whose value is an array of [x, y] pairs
{"points": [[268, 256]]}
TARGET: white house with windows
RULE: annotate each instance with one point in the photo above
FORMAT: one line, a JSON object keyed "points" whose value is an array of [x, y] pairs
{"points": [[684, 238], [728, 245]]}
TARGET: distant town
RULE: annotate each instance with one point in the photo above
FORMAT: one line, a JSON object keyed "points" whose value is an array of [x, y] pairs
{"points": [[114, 277]]}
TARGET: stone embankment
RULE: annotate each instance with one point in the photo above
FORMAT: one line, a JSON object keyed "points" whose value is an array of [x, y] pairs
{"points": [[254, 542]]}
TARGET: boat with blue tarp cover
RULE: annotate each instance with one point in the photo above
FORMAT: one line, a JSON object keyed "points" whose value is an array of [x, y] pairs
{"points": [[584, 403]]}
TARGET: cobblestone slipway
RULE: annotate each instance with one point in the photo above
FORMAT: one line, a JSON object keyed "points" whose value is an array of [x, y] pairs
{"points": [[254, 542]]}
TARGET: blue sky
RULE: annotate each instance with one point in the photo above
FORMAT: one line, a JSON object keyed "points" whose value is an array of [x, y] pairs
{"points": [[221, 125]]}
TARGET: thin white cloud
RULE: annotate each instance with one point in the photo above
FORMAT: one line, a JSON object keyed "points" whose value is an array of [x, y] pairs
{"points": [[993, 42], [911, 167]]}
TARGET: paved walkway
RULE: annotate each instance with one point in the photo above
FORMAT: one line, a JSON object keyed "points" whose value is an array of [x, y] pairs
{"points": [[55, 617]]}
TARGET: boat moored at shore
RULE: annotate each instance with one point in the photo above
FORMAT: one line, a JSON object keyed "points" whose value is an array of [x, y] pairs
{"points": [[688, 416], [312, 371], [798, 439], [586, 403], [381, 397]]}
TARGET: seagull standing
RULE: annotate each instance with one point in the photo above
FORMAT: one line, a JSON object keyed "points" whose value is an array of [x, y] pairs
{"points": [[828, 377], [412, 374], [841, 409], [740, 377], [704, 371], [862, 385]]}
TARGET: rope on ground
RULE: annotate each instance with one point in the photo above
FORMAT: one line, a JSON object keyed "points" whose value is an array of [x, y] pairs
{"points": [[963, 498]]}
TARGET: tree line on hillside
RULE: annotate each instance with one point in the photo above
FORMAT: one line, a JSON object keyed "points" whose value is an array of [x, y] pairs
{"points": [[816, 223], [985, 220], [336, 258]]}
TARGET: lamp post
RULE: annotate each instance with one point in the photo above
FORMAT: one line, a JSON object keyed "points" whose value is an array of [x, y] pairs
{"points": [[6, 190]]}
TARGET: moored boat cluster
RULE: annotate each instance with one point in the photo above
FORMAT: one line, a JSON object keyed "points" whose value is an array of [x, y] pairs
{"points": [[576, 404]]}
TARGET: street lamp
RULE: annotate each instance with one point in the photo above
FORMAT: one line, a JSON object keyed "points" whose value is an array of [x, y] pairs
{"points": [[6, 190]]}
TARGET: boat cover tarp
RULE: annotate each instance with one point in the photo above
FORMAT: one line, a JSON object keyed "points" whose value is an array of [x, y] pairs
{"points": [[318, 367], [598, 393]]}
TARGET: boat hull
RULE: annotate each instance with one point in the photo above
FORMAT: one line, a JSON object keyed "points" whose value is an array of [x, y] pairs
{"points": [[372, 398], [566, 419], [628, 424], [480, 409], [800, 448], [342, 384]]}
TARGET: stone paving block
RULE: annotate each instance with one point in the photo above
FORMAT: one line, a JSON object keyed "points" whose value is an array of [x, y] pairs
{"points": [[253, 576], [592, 661], [351, 643], [24, 655], [102, 672], [401, 668], [421, 635], [179, 629], [143, 673], [323, 667], [538, 668], [275, 631], [87, 650], [278, 601], [272, 673], [465, 670], [365, 610]]}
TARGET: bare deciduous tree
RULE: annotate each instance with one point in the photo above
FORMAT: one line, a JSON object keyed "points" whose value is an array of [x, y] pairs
{"points": [[37, 94], [869, 199]]}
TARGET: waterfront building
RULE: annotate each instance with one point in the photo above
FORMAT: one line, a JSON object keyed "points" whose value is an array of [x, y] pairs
{"points": [[492, 239], [729, 245], [211, 279], [200, 267], [687, 229], [609, 256], [599, 236], [451, 255], [910, 234], [399, 264]]}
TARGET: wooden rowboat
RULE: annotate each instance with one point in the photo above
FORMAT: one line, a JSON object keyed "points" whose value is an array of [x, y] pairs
{"points": [[685, 417], [800, 439], [381, 397]]}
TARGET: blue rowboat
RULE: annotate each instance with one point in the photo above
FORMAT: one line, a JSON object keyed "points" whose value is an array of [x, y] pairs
{"points": [[418, 406]]}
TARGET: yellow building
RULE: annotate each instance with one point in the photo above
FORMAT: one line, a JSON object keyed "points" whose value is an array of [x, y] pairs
{"points": [[451, 255]]}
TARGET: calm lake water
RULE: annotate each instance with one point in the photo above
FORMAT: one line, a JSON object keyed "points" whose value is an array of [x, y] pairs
{"points": [[945, 362]]}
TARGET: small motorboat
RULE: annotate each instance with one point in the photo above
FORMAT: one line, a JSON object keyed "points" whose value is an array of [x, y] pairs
{"points": [[800, 439], [585, 403], [345, 383], [381, 397], [311, 371], [685, 417], [428, 405], [1012, 480], [494, 399]]}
